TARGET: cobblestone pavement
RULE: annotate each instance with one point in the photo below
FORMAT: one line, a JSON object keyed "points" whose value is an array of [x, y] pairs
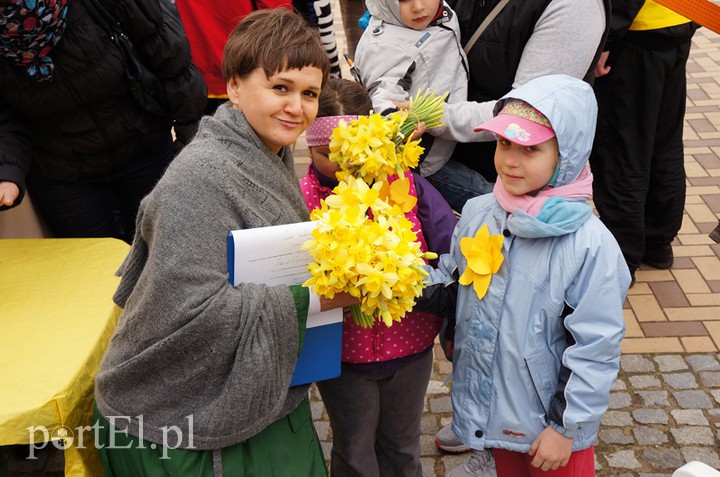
{"points": [[665, 405], [664, 412]]}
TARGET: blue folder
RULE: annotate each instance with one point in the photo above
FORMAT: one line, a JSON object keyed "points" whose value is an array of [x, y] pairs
{"points": [[320, 355]]}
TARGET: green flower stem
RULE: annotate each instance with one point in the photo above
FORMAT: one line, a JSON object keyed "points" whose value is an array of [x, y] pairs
{"points": [[426, 108]]}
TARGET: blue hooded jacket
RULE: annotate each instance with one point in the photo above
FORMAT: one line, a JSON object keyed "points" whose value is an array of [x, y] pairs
{"points": [[542, 347]]}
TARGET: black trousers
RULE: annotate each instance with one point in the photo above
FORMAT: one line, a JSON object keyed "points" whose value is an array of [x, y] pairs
{"points": [[637, 157]]}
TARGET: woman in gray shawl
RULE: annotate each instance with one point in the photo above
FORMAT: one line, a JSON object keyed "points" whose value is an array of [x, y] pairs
{"points": [[196, 377]]}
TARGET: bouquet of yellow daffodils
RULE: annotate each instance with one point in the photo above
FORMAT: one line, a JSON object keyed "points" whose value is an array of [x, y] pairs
{"points": [[363, 244], [375, 147]]}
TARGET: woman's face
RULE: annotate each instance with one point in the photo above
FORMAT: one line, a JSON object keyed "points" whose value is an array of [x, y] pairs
{"points": [[525, 169], [278, 108]]}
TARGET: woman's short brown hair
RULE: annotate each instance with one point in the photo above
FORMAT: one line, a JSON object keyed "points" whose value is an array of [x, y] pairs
{"points": [[275, 40]]}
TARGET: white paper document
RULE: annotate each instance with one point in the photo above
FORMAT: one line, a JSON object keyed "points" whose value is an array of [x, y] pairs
{"points": [[274, 256]]}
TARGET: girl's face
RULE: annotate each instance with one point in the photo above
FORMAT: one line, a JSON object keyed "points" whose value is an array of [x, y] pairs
{"points": [[417, 14], [278, 108], [319, 156], [525, 169]]}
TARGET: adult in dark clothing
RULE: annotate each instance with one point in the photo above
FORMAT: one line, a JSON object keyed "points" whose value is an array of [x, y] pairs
{"points": [[68, 124], [637, 157], [527, 39]]}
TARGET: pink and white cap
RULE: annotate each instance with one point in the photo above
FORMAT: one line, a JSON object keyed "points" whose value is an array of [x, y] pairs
{"points": [[520, 123], [320, 131]]}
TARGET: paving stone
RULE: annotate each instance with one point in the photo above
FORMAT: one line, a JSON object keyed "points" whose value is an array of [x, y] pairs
{"points": [[703, 362], [615, 436], [663, 458], [644, 381], [670, 362], [649, 436], [624, 459], [441, 404], [429, 425], [317, 409], [654, 475], [617, 418], [443, 368], [710, 379], [428, 447], [693, 435], [619, 400], [716, 394], [706, 455], [635, 363], [650, 416], [322, 428], [437, 387], [327, 450], [692, 399], [428, 466], [618, 385], [680, 380], [654, 398], [689, 417]]}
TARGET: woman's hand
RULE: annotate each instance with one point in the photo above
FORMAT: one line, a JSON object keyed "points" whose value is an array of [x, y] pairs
{"points": [[9, 191], [551, 450], [340, 300]]}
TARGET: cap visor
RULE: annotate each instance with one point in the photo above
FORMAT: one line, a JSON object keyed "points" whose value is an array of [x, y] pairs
{"points": [[516, 129]]}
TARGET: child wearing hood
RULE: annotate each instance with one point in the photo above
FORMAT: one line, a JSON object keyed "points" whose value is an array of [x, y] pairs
{"points": [[408, 47], [536, 284]]}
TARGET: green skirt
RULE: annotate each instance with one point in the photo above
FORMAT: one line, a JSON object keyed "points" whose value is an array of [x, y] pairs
{"points": [[289, 446]]}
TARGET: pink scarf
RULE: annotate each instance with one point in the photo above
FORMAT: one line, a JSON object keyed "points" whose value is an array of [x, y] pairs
{"points": [[579, 190]]}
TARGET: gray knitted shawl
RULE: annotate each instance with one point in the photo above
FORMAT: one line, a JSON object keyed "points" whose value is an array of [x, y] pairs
{"points": [[190, 350]]}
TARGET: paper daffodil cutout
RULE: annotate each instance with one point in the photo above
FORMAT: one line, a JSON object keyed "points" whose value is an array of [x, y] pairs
{"points": [[398, 193], [484, 257]]}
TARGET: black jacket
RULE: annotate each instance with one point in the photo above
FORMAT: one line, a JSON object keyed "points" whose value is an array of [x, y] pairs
{"points": [[83, 123], [623, 15]]}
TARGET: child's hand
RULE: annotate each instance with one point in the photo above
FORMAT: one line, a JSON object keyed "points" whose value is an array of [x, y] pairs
{"points": [[401, 104], [551, 450], [9, 191], [418, 132], [338, 301], [449, 349]]}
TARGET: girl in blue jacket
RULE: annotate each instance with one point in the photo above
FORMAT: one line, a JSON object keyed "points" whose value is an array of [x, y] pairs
{"points": [[536, 284]]}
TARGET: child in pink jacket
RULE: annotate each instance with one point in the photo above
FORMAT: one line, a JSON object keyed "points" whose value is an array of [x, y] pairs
{"points": [[376, 404]]}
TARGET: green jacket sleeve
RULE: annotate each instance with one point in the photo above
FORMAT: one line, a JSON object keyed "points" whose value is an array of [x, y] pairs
{"points": [[301, 295]]}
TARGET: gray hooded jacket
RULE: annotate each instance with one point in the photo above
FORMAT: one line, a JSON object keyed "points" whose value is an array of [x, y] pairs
{"points": [[394, 62]]}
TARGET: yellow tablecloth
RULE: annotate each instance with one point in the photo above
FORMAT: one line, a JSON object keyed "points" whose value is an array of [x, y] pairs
{"points": [[56, 317]]}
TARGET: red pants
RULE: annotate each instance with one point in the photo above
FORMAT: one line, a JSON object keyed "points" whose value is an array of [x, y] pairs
{"points": [[517, 464]]}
